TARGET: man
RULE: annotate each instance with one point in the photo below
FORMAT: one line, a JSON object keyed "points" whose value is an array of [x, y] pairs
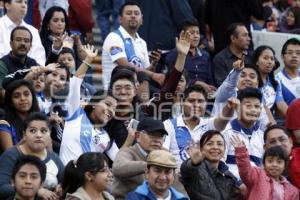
{"points": [[247, 127], [238, 41], [197, 63], [289, 77], [15, 12], [190, 125], [28, 176], [130, 164], [219, 14], [20, 42], [124, 47], [160, 176]]}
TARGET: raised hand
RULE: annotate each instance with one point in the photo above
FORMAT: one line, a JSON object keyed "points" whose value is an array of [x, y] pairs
{"points": [[183, 43], [236, 141], [195, 153], [233, 103], [240, 63], [91, 52], [59, 40]]}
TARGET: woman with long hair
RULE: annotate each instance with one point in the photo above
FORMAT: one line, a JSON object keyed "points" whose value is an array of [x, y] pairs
{"points": [[87, 178], [19, 100]]}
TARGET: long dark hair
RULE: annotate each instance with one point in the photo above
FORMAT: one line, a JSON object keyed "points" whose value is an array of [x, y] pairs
{"points": [[296, 12], [11, 114], [256, 54], [74, 178], [45, 32]]}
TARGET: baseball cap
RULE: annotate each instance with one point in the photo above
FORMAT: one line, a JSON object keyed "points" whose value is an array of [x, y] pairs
{"points": [[161, 158], [151, 125]]}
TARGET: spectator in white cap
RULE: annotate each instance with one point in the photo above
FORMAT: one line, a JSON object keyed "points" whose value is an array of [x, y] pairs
{"points": [[160, 174]]}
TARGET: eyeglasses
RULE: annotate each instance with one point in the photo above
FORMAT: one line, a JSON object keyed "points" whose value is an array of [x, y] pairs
{"points": [[289, 52]]}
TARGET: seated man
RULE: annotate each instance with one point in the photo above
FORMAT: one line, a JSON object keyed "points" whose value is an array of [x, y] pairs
{"points": [[130, 164], [247, 127], [160, 174]]}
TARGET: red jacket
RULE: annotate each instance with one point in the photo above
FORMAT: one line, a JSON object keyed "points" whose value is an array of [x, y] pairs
{"points": [[80, 15], [259, 184], [294, 167]]}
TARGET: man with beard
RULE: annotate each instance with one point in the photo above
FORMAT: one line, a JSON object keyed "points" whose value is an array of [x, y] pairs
{"points": [[124, 47], [20, 42]]}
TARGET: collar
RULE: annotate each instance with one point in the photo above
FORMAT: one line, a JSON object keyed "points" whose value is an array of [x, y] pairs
{"points": [[10, 24], [16, 60], [286, 74], [180, 122], [126, 35], [228, 53], [143, 152], [198, 52], [235, 124]]}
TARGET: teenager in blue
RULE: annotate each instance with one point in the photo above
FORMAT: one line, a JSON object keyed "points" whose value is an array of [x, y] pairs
{"points": [[160, 175], [265, 61], [289, 76]]}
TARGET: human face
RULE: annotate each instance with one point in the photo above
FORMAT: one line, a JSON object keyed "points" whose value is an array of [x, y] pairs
{"points": [[248, 78], [242, 40], [39, 83], [250, 109], [37, 135], [131, 18], [160, 178], [295, 3], [195, 105], [274, 166], [150, 142], [67, 59], [102, 180], [16, 10], [104, 110], [194, 36], [291, 56], [290, 19], [124, 91], [21, 99], [266, 61], [27, 182], [277, 137], [57, 23], [21, 43], [143, 91], [56, 80], [181, 85], [214, 148]]}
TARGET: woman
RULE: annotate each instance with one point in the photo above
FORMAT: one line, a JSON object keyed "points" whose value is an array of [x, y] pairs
{"points": [[204, 175], [36, 138], [55, 32], [20, 101], [291, 24], [87, 178], [265, 61]]}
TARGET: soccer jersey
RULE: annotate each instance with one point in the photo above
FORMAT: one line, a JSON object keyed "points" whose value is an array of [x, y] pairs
{"points": [[180, 136], [290, 86], [253, 139]]}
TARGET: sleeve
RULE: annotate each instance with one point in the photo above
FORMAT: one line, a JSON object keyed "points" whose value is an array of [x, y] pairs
{"points": [[115, 47], [248, 174], [3, 72], [112, 151], [279, 96], [73, 100], [37, 50], [228, 87], [59, 165], [124, 167], [170, 130], [5, 126], [6, 189], [85, 20]]}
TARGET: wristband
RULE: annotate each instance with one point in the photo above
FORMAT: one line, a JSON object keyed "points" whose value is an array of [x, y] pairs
{"points": [[89, 65]]}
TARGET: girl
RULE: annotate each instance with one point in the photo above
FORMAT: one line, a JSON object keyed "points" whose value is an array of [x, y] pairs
{"points": [[205, 175], [87, 178], [20, 101], [36, 138], [265, 61], [292, 22], [267, 183]]}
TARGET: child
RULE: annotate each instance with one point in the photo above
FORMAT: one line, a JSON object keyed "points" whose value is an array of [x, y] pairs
{"points": [[38, 83], [267, 183]]}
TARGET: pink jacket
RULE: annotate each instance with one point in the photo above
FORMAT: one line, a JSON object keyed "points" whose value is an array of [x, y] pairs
{"points": [[258, 183]]}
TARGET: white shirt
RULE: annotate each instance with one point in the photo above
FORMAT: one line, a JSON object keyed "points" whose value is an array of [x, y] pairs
{"points": [[114, 49], [174, 142], [37, 50]]}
